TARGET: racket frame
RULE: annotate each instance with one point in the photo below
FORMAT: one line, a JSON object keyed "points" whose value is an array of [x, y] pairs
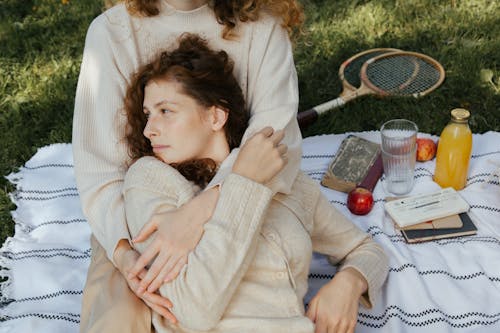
{"points": [[376, 90]]}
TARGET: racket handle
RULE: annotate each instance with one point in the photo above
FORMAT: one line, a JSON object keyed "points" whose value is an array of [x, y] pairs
{"points": [[306, 118], [333, 104]]}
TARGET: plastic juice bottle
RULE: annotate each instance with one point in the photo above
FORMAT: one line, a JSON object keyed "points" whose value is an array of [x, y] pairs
{"points": [[454, 151]]}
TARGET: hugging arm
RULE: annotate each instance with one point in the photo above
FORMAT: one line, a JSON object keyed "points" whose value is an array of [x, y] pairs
{"points": [[272, 98]]}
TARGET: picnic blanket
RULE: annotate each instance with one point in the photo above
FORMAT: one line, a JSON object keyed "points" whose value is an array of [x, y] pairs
{"points": [[450, 285]]}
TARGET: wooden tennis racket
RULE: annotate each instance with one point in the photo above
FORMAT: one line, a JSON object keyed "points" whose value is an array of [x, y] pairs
{"points": [[398, 73]]}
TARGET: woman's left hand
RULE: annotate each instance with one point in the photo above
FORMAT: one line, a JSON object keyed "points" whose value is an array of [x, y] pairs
{"points": [[335, 306]]}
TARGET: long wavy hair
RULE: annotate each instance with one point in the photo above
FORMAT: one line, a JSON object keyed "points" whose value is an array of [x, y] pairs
{"points": [[206, 76], [229, 13]]}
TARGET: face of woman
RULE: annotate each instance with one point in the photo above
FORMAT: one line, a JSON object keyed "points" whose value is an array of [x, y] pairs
{"points": [[178, 128]]}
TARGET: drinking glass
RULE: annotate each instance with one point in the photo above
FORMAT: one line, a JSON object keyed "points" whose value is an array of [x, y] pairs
{"points": [[399, 153]]}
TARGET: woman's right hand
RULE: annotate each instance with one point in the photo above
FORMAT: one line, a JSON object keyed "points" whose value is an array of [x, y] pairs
{"points": [[262, 156], [125, 258]]}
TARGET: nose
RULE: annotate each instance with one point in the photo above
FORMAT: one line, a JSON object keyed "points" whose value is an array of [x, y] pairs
{"points": [[151, 129]]}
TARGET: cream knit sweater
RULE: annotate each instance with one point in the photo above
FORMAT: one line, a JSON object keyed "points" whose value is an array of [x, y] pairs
{"points": [[249, 271], [116, 45]]}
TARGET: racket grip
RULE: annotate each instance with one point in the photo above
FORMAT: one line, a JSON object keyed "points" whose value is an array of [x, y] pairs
{"points": [[374, 174], [307, 117]]}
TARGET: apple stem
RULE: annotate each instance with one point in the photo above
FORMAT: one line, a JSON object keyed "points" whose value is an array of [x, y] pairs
{"points": [[374, 174]]}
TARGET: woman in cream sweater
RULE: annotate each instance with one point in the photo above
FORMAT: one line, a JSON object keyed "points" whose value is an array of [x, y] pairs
{"points": [[249, 270]]}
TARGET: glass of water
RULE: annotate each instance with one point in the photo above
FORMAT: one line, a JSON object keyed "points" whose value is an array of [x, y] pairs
{"points": [[399, 153]]}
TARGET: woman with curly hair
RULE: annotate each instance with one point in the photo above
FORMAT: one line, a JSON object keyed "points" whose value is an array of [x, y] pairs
{"points": [[255, 33], [248, 273]]}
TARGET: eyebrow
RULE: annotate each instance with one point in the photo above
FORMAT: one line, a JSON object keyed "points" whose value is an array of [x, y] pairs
{"points": [[164, 101]]}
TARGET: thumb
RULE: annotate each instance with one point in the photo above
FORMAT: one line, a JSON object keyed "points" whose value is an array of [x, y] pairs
{"points": [[311, 311], [146, 231]]}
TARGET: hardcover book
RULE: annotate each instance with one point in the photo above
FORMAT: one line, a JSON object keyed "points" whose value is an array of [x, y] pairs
{"points": [[424, 235], [452, 221], [352, 163]]}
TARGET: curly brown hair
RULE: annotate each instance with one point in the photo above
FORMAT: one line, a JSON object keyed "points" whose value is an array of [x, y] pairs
{"points": [[229, 13], [206, 76]]}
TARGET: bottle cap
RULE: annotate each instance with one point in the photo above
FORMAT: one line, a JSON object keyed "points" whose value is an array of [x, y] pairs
{"points": [[460, 115]]}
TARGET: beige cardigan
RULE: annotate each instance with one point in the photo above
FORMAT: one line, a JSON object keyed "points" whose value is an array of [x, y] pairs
{"points": [[249, 271], [116, 45]]}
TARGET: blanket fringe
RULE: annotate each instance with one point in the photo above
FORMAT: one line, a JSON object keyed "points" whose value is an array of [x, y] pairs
{"points": [[5, 273]]}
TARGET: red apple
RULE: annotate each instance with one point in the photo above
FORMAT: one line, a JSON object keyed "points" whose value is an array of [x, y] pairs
{"points": [[360, 201], [426, 149]]}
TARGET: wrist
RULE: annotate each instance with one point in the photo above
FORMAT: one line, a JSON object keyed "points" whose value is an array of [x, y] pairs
{"points": [[121, 248], [355, 279], [207, 200]]}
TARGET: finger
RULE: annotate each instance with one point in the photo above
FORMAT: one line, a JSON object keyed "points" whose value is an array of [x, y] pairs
{"points": [[284, 158], [311, 311], [267, 131], [282, 148], [158, 300], [142, 274], [321, 326], [144, 260], [160, 278], [146, 231], [173, 274], [155, 269], [351, 327], [277, 137], [163, 311], [342, 326]]}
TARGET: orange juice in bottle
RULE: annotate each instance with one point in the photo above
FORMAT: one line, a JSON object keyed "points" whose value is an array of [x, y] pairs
{"points": [[454, 151]]}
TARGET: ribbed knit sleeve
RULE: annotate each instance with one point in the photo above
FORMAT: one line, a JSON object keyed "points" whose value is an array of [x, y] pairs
{"points": [[98, 153], [272, 93], [215, 268], [338, 238], [150, 187]]}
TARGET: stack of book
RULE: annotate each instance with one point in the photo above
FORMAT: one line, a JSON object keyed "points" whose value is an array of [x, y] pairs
{"points": [[442, 214]]}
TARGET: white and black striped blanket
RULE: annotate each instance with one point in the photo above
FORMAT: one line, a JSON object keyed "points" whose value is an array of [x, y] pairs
{"points": [[450, 285]]}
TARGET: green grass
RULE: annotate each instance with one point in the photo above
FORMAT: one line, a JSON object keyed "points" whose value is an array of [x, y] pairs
{"points": [[41, 42]]}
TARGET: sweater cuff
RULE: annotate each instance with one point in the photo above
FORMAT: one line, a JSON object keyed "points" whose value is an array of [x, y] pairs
{"points": [[241, 205], [374, 270], [116, 238]]}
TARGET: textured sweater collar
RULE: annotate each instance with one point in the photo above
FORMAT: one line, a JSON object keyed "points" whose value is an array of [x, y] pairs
{"points": [[168, 9]]}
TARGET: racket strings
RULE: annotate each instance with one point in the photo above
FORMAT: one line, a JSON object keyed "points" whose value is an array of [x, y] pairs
{"points": [[402, 75], [352, 70]]}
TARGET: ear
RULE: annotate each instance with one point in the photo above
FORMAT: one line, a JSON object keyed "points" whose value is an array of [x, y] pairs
{"points": [[218, 118]]}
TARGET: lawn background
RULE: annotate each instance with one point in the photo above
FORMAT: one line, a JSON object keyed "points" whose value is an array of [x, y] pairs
{"points": [[41, 43]]}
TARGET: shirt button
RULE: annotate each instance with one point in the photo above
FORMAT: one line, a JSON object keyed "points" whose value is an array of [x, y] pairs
{"points": [[271, 236], [280, 275]]}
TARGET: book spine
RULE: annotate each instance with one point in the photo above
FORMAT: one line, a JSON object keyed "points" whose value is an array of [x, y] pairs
{"points": [[374, 174]]}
